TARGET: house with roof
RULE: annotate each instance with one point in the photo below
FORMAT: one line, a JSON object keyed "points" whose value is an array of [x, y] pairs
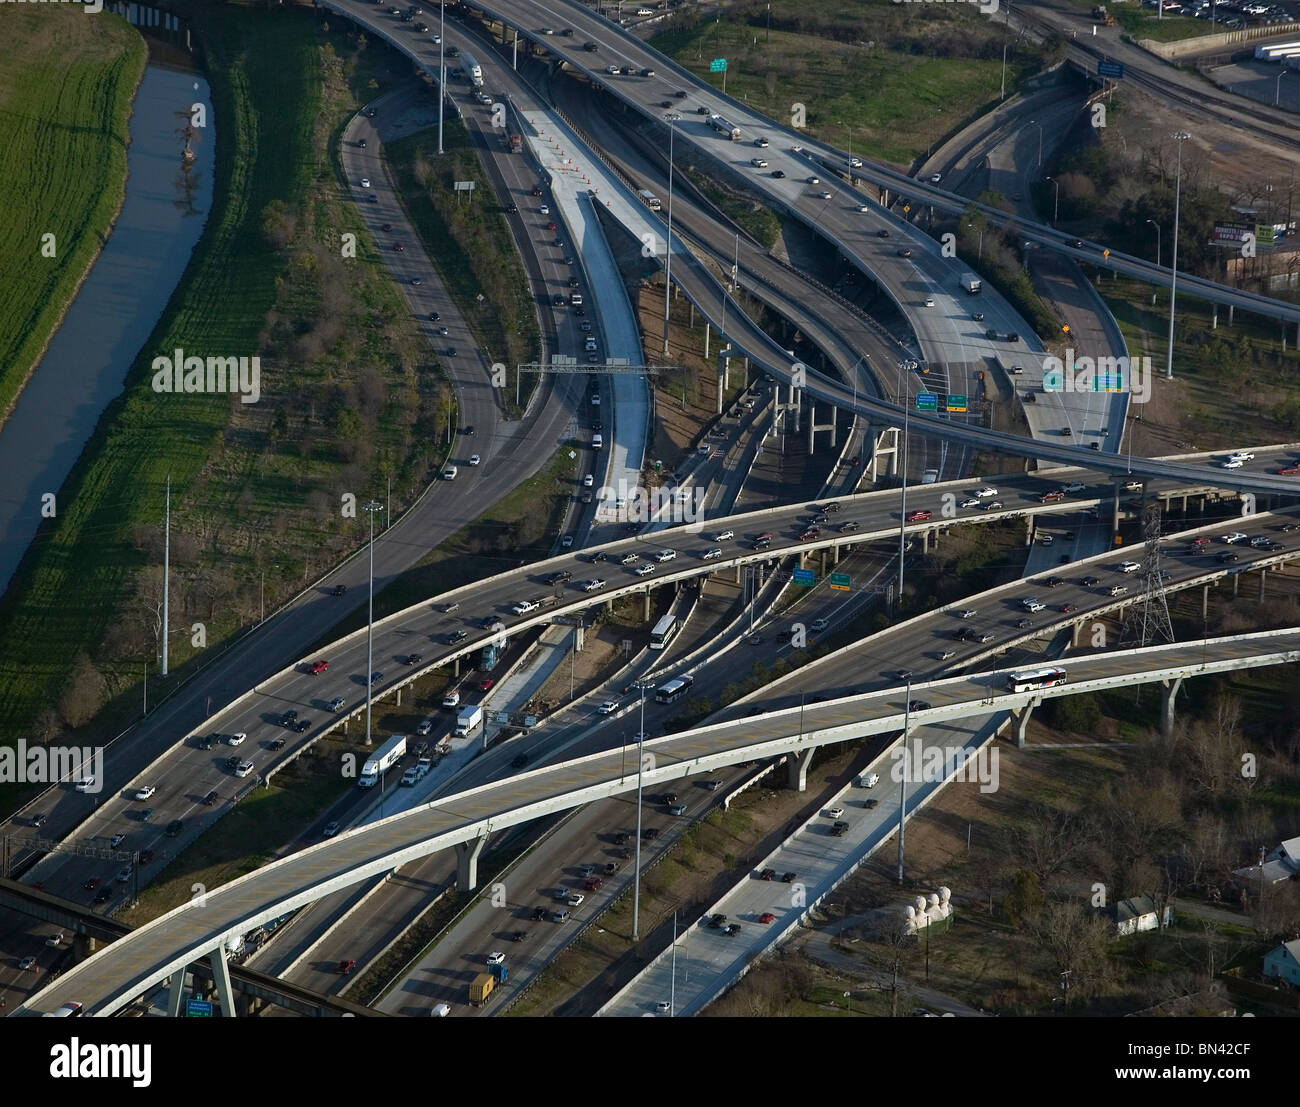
{"points": [[1282, 864], [1136, 914], [1283, 963]]}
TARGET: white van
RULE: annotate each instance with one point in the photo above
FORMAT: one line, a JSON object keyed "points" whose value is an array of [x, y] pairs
{"points": [[451, 699], [450, 472], [868, 780], [596, 442]]}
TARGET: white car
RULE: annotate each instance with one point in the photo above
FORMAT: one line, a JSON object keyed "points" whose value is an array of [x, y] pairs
{"points": [[1231, 463], [969, 503], [818, 625], [86, 784], [608, 707], [365, 182], [665, 555], [588, 480], [814, 180], [644, 570], [496, 958], [835, 812], [935, 178], [758, 163], [985, 492], [451, 699], [724, 536], [855, 163], [1130, 566], [523, 607], [710, 555], [236, 739], [574, 899], [545, 209], [144, 793], [593, 584], [1233, 536], [969, 613], [1031, 605], [424, 727], [566, 541], [441, 1010], [929, 301], [1241, 455], [337, 703], [474, 459], [868, 780], [437, 40], [864, 208], [823, 195], [595, 400], [243, 768]]}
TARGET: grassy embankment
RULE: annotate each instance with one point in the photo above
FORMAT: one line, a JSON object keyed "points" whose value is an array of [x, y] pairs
{"points": [[66, 83]]}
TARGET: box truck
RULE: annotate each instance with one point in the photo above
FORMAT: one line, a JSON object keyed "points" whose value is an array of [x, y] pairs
{"points": [[971, 283], [388, 755], [468, 718]]}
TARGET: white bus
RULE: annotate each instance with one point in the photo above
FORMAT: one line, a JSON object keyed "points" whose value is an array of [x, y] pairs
{"points": [[1031, 679], [664, 632], [471, 68], [674, 689], [649, 199]]}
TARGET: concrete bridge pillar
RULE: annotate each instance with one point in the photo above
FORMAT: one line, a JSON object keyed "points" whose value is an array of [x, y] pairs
{"points": [[1263, 576], [221, 980], [83, 945], [455, 667], [796, 765], [1205, 602], [707, 333], [1236, 584], [1168, 693], [1114, 516], [175, 993], [880, 449], [1020, 722], [645, 607], [467, 854], [835, 555], [925, 541]]}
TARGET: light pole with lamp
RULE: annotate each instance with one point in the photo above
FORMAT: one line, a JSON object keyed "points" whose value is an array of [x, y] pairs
{"points": [[1157, 227], [668, 242], [370, 508], [1056, 200], [640, 766], [1180, 137], [442, 64], [902, 778]]}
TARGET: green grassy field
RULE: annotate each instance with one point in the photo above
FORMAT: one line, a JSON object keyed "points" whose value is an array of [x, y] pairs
{"points": [[885, 81], [66, 83]]}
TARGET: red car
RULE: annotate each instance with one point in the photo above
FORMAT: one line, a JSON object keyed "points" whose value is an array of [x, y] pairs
{"points": [[91, 884], [811, 532], [486, 683], [594, 884], [919, 516], [398, 247], [346, 967], [767, 917], [1066, 608], [318, 667], [1289, 470], [550, 226]]}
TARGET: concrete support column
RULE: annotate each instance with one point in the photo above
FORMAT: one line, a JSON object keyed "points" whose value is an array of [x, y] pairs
{"points": [[821, 558], [1232, 310], [1263, 576], [221, 979], [796, 765], [925, 541], [175, 994], [455, 667], [1114, 516], [1214, 320], [1236, 584], [1205, 601], [399, 698], [1074, 634], [739, 573], [1168, 693], [467, 854], [835, 555], [1184, 503], [708, 330], [1020, 722], [645, 610]]}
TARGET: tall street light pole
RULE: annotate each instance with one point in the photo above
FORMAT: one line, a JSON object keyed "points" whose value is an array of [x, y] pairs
{"points": [[370, 509], [902, 524], [167, 563], [1157, 227], [636, 877], [902, 783], [1180, 137], [442, 64], [668, 243]]}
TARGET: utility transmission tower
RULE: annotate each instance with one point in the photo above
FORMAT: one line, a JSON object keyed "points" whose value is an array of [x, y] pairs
{"points": [[1147, 622]]}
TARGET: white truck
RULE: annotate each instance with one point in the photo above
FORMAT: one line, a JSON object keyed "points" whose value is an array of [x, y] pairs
{"points": [[971, 283], [468, 718], [388, 755]]}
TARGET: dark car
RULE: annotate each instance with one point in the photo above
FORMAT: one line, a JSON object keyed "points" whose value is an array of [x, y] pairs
{"points": [[650, 833], [518, 936], [520, 761], [622, 838], [300, 727], [91, 884], [717, 922], [778, 173], [1053, 582], [788, 878], [1229, 557], [146, 856], [413, 658], [869, 804], [210, 798], [347, 966], [278, 743], [339, 589], [205, 743], [456, 636], [1088, 582], [918, 705], [105, 894], [539, 913], [175, 827], [767, 874]]}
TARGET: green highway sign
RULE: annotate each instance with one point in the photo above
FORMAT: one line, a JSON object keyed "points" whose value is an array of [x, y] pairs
{"points": [[927, 401], [956, 402], [840, 582], [718, 65]]}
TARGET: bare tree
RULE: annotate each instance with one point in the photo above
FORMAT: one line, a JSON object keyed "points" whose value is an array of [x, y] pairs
{"points": [[1075, 938]]}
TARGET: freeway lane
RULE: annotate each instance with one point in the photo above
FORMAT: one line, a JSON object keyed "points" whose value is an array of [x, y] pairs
{"points": [[425, 628], [148, 955]]}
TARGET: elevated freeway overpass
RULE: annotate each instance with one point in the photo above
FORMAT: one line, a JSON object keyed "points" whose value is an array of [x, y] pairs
{"points": [[151, 954]]}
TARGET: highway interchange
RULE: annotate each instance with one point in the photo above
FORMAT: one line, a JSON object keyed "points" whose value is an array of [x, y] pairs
{"points": [[864, 680]]}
